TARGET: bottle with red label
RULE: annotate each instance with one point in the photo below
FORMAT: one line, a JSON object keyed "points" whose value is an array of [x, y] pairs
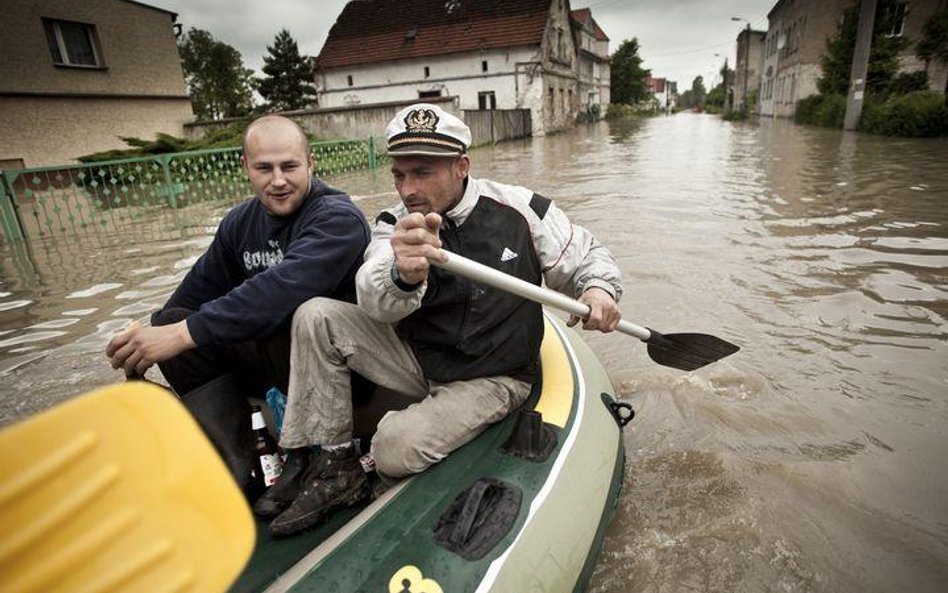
{"points": [[269, 462]]}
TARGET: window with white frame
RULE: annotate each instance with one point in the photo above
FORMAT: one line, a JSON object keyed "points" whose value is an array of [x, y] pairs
{"points": [[73, 44]]}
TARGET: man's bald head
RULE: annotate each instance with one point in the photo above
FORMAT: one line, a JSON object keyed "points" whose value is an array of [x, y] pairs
{"points": [[278, 163], [266, 123]]}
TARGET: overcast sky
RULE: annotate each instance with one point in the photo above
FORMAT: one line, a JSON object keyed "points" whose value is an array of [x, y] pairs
{"points": [[678, 38]]}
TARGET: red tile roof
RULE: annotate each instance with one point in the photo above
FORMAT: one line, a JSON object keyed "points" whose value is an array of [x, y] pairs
{"points": [[370, 31], [581, 15], [655, 85]]}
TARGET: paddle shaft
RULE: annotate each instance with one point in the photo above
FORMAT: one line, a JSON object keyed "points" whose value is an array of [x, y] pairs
{"points": [[479, 272]]}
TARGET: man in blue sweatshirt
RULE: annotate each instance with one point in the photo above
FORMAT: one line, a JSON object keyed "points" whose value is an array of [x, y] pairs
{"points": [[231, 314]]}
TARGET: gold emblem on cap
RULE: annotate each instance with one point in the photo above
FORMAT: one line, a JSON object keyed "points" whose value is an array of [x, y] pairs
{"points": [[421, 120]]}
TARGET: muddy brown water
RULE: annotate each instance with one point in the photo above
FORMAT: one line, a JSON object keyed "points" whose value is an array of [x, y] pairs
{"points": [[813, 460]]}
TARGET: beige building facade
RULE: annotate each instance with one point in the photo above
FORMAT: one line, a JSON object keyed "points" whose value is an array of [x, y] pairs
{"points": [[592, 50], [76, 76], [796, 39], [750, 55]]}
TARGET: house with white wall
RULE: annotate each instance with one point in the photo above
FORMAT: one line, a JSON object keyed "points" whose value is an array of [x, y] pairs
{"points": [[664, 93], [592, 51], [490, 54]]}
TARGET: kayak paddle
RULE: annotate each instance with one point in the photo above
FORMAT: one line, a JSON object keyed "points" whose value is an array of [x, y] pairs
{"points": [[681, 351], [119, 490]]}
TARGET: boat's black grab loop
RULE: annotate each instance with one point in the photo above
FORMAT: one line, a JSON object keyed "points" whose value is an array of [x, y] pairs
{"points": [[621, 411], [530, 438], [478, 518]]}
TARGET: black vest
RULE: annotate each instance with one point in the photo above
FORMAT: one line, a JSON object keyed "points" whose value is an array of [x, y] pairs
{"points": [[465, 329]]}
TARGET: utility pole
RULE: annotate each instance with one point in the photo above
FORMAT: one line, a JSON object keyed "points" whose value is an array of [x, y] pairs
{"points": [[857, 76]]}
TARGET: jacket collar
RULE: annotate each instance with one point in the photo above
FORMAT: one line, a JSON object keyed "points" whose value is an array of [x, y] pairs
{"points": [[463, 209]]}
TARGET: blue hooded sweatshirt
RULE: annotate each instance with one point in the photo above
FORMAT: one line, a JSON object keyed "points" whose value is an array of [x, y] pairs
{"points": [[261, 267]]}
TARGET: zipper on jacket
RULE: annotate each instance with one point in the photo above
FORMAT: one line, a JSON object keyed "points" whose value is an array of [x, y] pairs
{"points": [[465, 283]]}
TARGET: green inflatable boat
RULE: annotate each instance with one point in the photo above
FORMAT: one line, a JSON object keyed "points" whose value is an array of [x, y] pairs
{"points": [[523, 507], [119, 490]]}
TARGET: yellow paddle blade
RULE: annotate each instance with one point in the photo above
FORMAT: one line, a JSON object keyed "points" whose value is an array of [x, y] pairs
{"points": [[118, 490]]}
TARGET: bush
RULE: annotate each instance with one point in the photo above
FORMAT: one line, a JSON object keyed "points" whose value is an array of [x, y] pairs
{"points": [[806, 109], [231, 135], [622, 110], [226, 137], [917, 114], [828, 111], [907, 82], [735, 115]]}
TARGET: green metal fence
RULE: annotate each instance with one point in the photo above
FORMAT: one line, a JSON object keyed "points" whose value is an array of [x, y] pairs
{"points": [[106, 196]]}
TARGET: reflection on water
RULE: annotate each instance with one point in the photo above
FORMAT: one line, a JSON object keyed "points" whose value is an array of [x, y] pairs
{"points": [[810, 461]]}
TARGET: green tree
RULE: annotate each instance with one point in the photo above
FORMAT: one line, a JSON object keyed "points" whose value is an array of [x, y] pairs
{"points": [[627, 77], [717, 94], [698, 90], [288, 81], [686, 100], [934, 42], [883, 57], [217, 81]]}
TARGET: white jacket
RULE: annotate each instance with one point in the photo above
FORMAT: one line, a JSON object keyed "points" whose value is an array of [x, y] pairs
{"points": [[573, 261]]}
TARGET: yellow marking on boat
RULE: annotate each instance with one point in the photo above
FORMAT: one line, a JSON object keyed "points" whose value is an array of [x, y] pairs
{"points": [[556, 399], [408, 579]]}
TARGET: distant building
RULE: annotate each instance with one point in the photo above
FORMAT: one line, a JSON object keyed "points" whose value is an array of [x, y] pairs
{"points": [[796, 39], [750, 54], [592, 47], [490, 54], [664, 93], [77, 75]]}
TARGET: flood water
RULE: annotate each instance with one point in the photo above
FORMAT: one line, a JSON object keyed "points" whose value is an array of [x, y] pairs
{"points": [[812, 460]]}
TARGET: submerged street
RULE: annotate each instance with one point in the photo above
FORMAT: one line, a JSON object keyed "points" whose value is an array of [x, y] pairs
{"points": [[809, 461]]}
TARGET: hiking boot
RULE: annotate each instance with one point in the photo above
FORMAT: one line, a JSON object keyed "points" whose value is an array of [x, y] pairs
{"points": [[334, 479], [281, 495]]}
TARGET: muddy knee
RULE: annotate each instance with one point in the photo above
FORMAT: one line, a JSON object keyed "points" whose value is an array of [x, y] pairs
{"points": [[402, 448], [316, 309]]}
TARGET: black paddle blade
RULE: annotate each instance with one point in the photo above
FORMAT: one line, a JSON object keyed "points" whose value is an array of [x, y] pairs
{"points": [[687, 351]]}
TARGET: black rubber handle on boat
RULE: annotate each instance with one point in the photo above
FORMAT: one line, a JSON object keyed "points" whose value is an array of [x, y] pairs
{"points": [[681, 351], [472, 504]]}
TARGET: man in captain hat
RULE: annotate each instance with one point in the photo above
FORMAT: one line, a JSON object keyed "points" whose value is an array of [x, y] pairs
{"points": [[466, 353]]}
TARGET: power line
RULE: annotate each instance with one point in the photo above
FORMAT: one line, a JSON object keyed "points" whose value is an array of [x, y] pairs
{"points": [[697, 50], [687, 51]]}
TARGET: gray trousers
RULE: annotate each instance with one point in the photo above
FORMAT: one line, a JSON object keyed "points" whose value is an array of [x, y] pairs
{"points": [[331, 337]]}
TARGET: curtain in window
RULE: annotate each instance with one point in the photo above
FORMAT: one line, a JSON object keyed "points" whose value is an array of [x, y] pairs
{"points": [[77, 42]]}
